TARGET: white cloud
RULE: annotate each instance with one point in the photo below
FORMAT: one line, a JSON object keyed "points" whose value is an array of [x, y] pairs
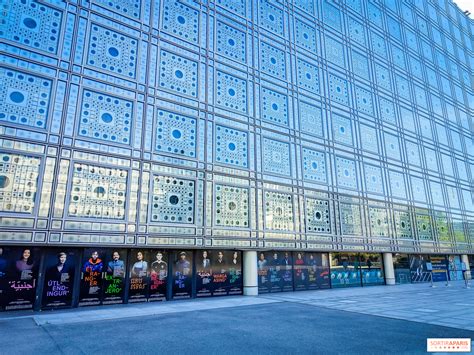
{"points": [[466, 5]]}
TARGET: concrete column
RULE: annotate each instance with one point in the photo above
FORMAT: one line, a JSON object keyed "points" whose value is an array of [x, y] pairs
{"points": [[465, 260], [250, 273], [388, 269]]}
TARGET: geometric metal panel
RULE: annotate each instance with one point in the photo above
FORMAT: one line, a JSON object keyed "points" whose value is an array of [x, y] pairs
{"points": [[314, 166], [305, 36], [175, 134], [231, 42], [364, 101], [378, 222], [276, 157], [373, 179], [423, 226], [442, 227], [112, 51], [350, 219], [369, 138], [274, 106], [173, 200], [392, 146], [232, 206], [360, 65], [278, 211], [272, 61], [334, 51], [356, 31], [397, 184], [98, 192], [331, 16], [413, 154], [24, 98], [387, 111], [231, 92], [338, 90], [346, 173], [31, 24], [237, 6], [308, 76], [418, 189], [317, 216], [378, 45], [178, 74], [105, 117], [231, 146], [341, 129], [383, 77], [125, 7], [18, 182], [270, 17], [181, 20], [403, 225], [311, 119]]}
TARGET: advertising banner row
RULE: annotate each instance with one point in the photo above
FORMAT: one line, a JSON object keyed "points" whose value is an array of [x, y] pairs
{"points": [[424, 268], [54, 278], [287, 271]]}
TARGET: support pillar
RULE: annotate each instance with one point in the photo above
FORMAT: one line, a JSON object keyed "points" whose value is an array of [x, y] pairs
{"points": [[465, 260], [250, 273], [388, 269]]}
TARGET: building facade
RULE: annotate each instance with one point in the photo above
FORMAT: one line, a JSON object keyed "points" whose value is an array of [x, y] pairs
{"points": [[331, 134]]}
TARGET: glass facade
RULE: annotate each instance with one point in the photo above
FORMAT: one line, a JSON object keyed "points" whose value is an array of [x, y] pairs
{"points": [[292, 125]]}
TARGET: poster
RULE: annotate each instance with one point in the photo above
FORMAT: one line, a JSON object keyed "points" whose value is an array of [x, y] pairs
{"points": [[275, 272], [18, 277], [345, 270], [455, 268], [114, 282], [139, 276], [227, 274], [182, 275], [59, 278], [92, 269], [440, 268], [236, 283], [218, 273], [204, 273], [158, 276], [419, 271], [311, 271]]}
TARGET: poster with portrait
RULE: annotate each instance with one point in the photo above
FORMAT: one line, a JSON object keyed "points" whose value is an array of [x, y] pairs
{"points": [[92, 274], [139, 272], [204, 280], [455, 268], [18, 277], [220, 273], [158, 275], [182, 274], [264, 285], [115, 272], [60, 267], [275, 271], [311, 271], [235, 279]]}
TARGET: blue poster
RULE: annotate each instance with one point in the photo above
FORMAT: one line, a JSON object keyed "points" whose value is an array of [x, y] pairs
{"points": [[440, 268]]}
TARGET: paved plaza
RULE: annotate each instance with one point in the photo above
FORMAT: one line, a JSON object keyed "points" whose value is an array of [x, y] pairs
{"points": [[371, 320]]}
